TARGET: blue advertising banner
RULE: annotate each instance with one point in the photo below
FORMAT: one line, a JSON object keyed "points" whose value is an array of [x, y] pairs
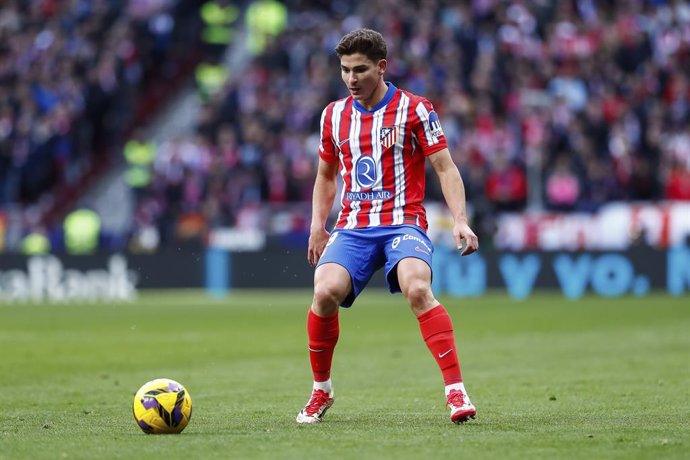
{"points": [[56, 277], [607, 274]]}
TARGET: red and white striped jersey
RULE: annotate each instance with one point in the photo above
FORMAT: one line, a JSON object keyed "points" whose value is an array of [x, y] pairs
{"points": [[382, 156]]}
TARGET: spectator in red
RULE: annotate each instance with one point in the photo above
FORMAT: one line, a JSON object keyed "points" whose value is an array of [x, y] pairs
{"points": [[506, 184], [678, 182]]}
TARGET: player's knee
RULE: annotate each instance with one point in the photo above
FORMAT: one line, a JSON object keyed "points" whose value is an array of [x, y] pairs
{"points": [[417, 292], [327, 295]]}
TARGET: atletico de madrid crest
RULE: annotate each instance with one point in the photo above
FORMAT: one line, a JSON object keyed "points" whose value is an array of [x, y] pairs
{"points": [[388, 136]]}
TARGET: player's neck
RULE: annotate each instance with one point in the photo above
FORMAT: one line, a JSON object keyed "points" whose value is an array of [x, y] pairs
{"points": [[376, 97]]}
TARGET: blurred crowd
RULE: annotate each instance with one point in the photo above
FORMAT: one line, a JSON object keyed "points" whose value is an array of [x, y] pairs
{"points": [[560, 106], [73, 76], [548, 105]]}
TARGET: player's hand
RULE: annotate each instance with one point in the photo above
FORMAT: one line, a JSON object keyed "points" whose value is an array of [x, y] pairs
{"points": [[317, 244], [463, 232]]}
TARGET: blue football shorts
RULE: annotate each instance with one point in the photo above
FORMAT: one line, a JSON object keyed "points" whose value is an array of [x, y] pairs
{"points": [[364, 251]]}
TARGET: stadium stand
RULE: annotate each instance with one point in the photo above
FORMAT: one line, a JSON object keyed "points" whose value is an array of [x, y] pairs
{"points": [[561, 106], [75, 77]]}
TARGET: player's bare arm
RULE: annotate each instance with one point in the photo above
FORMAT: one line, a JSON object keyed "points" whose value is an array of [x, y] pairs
{"points": [[322, 201], [454, 194]]}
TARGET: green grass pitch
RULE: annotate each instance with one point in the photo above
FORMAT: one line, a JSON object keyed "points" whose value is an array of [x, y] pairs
{"points": [[551, 378]]}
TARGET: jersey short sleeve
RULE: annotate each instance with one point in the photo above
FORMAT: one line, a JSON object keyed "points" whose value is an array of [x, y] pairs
{"points": [[327, 150], [427, 129]]}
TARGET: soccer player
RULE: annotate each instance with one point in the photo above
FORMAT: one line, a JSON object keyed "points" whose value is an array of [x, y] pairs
{"points": [[378, 139]]}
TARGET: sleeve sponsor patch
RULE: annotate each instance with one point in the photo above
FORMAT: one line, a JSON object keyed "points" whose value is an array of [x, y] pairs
{"points": [[434, 126]]}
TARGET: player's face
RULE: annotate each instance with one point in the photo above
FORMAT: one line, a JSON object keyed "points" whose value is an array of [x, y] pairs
{"points": [[364, 78]]}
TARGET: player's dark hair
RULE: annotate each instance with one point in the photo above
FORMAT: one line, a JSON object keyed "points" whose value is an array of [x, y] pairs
{"points": [[364, 41]]}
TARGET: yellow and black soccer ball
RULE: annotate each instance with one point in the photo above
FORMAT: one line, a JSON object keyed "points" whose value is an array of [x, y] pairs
{"points": [[162, 406]]}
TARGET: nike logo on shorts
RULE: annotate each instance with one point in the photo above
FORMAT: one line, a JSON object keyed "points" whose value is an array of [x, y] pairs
{"points": [[418, 249]]}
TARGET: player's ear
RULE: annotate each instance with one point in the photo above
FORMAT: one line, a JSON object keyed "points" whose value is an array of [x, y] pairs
{"points": [[382, 66]]}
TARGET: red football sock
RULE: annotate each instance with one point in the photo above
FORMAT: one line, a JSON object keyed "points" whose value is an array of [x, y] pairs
{"points": [[323, 334], [437, 331]]}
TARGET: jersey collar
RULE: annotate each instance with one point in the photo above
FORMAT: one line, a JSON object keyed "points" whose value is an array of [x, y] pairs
{"points": [[386, 99]]}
